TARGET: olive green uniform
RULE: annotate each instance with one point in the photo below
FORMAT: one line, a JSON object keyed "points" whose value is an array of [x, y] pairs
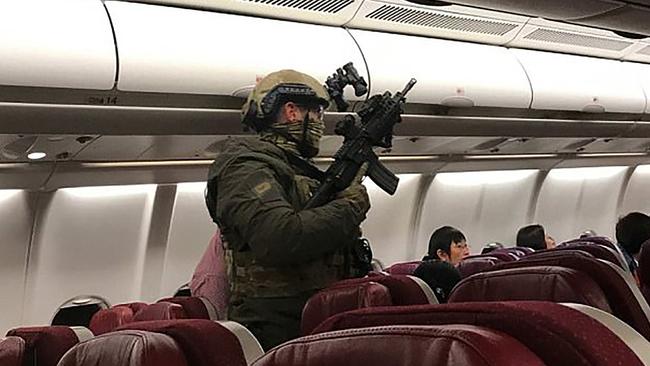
{"points": [[277, 254]]}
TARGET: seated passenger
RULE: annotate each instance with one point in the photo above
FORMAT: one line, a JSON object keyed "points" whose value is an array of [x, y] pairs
{"points": [[440, 276], [631, 231], [533, 236], [447, 244], [492, 247]]}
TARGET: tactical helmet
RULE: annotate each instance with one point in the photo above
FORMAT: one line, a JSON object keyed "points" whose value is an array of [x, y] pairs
{"points": [[277, 88]]}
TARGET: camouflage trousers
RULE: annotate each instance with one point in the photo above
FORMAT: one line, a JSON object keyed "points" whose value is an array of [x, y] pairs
{"points": [[272, 320]]}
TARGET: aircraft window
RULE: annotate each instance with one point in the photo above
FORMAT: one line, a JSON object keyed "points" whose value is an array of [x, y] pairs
{"points": [[183, 291], [78, 310]]}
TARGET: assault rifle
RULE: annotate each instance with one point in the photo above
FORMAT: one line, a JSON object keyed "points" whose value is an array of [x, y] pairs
{"points": [[373, 128]]}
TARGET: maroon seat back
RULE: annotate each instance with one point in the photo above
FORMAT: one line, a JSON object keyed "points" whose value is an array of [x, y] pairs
{"points": [[624, 297], [557, 334], [404, 290], [48, 344], [339, 299], [502, 256], [475, 264], [160, 311], [405, 268], [517, 251], [403, 346], [203, 342], [12, 351], [194, 307], [106, 320], [602, 240], [126, 348], [542, 283], [597, 250]]}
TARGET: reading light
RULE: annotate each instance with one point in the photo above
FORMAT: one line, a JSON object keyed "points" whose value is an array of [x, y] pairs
{"points": [[36, 155]]}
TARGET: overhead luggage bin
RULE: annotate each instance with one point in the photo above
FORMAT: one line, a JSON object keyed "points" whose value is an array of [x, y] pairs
{"points": [[448, 72], [56, 43], [577, 83], [330, 12], [568, 38], [200, 52], [449, 21]]}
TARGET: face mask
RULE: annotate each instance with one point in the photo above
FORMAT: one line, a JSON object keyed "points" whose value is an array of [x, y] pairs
{"points": [[308, 140]]}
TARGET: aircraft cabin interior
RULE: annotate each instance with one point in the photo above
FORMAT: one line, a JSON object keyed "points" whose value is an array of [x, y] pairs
{"points": [[111, 113]]}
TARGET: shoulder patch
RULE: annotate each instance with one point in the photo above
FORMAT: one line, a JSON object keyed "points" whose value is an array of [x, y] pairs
{"points": [[264, 187]]}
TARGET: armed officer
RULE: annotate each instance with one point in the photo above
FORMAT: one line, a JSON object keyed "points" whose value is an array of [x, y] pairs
{"points": [[277, 253]]}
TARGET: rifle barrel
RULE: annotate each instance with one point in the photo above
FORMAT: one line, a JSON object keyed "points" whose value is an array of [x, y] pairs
{"points": [[408, 86]]}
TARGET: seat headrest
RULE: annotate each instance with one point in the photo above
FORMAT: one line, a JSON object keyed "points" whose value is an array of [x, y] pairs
{"points": [[403, 346], [106, 320], [336, 300], [48, 344], [12, 351], [405, 268], [557, 333], [543, 283], [126, 348], [194, 307], [597, 250], [476, 264], [403, 289], [160, 311], [204, 342]]}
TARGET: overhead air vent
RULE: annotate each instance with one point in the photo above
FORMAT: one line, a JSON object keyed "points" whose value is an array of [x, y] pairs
{"points": [[423, 18], [324, 6], [573, 39]]}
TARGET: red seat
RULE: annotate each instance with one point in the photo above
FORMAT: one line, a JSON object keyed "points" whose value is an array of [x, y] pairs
{"points": [[543, 283], [404, 290], [598, 251], [404, 345], [194, 307], [339, 299], [558, 334], [404, 268], [126, 348], [106, 320], [12, 351], [160, 311], [44, 346], [205, 342], [517, 251], [624, 297], [476, 264]]}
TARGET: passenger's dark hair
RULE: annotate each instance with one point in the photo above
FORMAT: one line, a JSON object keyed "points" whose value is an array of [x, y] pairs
{"points": [[442, 239], [492, 247], [440, 276], [632, 230], [532, 236]]}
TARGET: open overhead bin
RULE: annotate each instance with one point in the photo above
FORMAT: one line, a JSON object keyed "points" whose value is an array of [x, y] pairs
{"points": [[449, 73], [201, 52], [56, 43], [577, 83]]}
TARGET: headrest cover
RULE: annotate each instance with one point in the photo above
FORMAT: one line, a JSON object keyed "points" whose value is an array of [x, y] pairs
{"points": [[403, 346], [45, 344], [12, 350], [336, 300], [126, 348]]}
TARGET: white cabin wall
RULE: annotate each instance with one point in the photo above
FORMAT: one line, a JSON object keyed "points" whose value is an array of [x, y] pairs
{"points": [[388, 223], [486, 206], [573, 200], [89, 240], [17, 212], [189, 233], [636, 195]]}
